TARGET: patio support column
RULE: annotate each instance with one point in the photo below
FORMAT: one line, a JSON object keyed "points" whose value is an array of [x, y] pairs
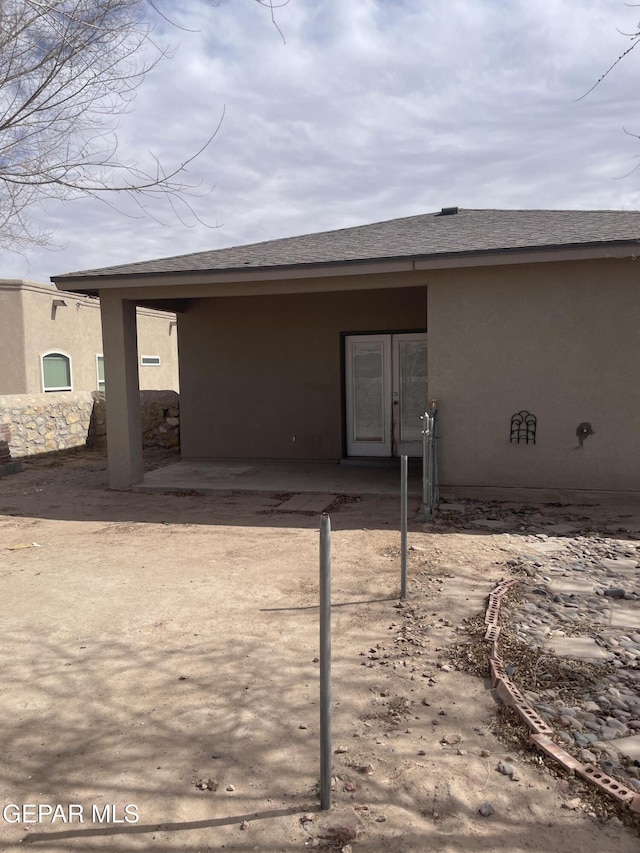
{"points": [[124, 431]]}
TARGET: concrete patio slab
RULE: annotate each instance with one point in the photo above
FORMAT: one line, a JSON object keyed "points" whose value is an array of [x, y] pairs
{"points": [[629, 746], [625, 617], [549, 546], [571, 586], [207, 476], [625, 565], [306, 503], [579, 648]]}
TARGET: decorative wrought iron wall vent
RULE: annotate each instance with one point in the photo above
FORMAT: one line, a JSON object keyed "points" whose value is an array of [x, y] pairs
{"points": [[523, 428]]}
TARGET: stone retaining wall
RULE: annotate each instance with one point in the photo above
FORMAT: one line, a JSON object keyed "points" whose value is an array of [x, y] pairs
{"points": [[31, 424], [42, 423], [160, 415]]}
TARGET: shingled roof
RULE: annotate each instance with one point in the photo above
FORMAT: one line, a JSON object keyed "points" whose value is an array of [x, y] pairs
{"points": [[450, 233]]}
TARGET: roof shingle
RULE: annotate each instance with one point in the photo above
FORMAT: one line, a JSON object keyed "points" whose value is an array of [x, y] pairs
{"points": [[429, 235]]}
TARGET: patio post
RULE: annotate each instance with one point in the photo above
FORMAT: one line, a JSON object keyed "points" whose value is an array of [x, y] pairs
{"points": [[122, 393]]}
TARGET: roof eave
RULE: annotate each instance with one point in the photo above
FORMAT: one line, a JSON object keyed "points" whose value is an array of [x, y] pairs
{"points": [[91, 284]]}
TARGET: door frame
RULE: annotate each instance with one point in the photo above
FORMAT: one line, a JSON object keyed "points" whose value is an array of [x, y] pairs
{"points": [[343, 373]]}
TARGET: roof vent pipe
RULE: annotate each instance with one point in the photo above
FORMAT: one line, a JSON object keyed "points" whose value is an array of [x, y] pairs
{"points": [[448, 211]]}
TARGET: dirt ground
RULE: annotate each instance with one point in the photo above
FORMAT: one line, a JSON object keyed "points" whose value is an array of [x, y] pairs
{"points": [[159, 658]]}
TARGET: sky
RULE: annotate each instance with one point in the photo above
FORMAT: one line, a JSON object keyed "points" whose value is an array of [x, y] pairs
{"points": [[357, 111]]}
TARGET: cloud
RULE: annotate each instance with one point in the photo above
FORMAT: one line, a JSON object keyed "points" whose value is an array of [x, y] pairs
{"points": [[371, 110]]}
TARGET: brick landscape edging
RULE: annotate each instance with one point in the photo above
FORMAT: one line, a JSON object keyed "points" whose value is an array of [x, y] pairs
{"points": [[509, 695]]}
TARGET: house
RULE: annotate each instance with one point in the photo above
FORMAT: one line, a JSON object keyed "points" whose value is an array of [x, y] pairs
{"points": [[522, 324], [52, 342]]}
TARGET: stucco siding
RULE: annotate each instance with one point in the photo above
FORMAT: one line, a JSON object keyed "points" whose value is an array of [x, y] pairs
{"points": [[31, 326], [13, 378], [261, 376], [157, 336], [560, 341], [72, 329]]}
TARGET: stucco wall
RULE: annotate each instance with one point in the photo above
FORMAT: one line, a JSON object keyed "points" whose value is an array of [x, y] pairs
{"points": [[559, 340], [72, 329], [13, 378], [158, 336], [263, 370], [30, 326]]}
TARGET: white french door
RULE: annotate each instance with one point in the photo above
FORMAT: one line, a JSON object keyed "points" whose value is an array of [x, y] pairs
{"points": [[386, 392]]}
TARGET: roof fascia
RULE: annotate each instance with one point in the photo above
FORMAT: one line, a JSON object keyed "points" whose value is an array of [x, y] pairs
{"points": [[175, 293], [172, 279], [531, 256]]}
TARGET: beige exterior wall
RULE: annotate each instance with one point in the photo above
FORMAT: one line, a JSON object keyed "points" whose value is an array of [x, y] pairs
{"points": [[30, 327], [158, 336], [72, 329], [559, 340], [13, 379], [265, 369]]}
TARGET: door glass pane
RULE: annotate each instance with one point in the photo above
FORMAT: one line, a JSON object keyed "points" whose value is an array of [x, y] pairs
{"points": [[413, 388], [368, 391]]}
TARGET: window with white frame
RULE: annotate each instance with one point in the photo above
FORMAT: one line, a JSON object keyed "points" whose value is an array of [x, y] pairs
{"points": [[100, 372], [150, 360], [56, 372]]}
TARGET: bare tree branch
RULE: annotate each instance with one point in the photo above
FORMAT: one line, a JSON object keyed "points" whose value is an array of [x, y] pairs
{"points": [[635, 38], [269, 4], [69, 69]]}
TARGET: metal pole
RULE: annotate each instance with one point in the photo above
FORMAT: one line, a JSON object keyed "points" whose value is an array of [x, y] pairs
{"points": [[425, 459], [430, 468], [436, 474], [423, 515], [325, 662], [403, 527]]}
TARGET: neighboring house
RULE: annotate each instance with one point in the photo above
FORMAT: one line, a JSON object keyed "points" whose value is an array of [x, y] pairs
{"points": [[316, 347], [52, 341]]}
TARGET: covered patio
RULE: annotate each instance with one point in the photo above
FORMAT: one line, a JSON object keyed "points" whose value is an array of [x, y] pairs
{"points": [[304, 477]]}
